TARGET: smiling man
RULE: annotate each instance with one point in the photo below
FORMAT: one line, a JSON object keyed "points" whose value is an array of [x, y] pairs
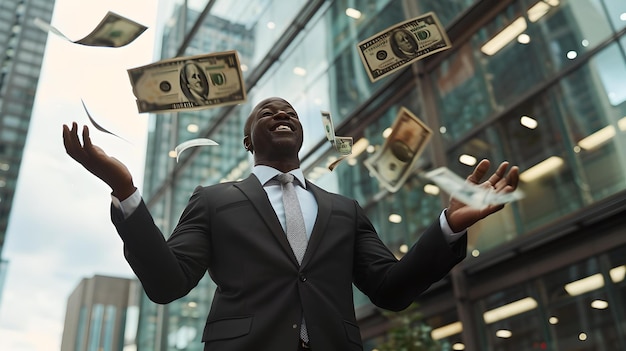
{"points": [[272, 296]]}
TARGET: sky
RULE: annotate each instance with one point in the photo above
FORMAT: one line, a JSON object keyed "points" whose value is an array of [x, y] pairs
{"points": [[59, 229]]}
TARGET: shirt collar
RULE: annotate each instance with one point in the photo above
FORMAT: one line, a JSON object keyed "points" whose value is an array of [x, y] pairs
{"points": [[265, 173]]}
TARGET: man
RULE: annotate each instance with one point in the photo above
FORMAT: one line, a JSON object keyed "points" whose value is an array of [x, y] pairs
{"points": [[266, 299], [194, 83]]}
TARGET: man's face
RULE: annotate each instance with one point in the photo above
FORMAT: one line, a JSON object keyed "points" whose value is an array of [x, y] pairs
{"points": [[193, 79], [404, 42], [276, 130]]}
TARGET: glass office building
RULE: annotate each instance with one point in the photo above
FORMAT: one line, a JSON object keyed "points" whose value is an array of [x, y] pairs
{"points": [[22, 46], [101, 314], [540, 83]]}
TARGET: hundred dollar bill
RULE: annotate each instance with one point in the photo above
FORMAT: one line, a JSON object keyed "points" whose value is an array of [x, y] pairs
{"points": [[472, 195], [393, 164], [192, 143], [112, 31], [189, 83], [402, 44]]}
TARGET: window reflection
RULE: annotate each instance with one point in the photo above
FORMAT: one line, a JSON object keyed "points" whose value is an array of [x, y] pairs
{"points": [[576, 307], [559, 138]]}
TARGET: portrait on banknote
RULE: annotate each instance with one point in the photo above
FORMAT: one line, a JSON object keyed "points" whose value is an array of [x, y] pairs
{"points": [[194, 83], [403, 44]]}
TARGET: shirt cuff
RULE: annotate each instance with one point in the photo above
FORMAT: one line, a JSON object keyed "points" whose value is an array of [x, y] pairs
{"points": [[129, 205], [450, 236]]}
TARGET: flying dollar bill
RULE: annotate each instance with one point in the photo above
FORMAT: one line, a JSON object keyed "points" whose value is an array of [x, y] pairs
{"points": [[402, 44], [329, 128], [112, 31], [393, 164], [192, 143], [343, 145], [471, 194], [98, 126], [189, 83]]}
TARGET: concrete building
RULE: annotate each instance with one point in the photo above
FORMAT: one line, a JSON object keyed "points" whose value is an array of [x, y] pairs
{"points": [[539, 83], [22, 45], [102, 315]]}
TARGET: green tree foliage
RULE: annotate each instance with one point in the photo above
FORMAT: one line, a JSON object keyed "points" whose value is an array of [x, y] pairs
{"points": [[408, 332]]}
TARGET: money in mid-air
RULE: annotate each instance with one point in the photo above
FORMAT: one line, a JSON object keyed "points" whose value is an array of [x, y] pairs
{"points": [[192, 143], [329, 128], [402, 44], [189, 83], [112, 31], [343, 145], [473, 195], [96, 124], [393, 164]]}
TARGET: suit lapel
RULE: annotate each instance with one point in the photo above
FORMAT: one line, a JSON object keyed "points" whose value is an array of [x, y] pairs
{"points": [[324, 207], [253, 189]]}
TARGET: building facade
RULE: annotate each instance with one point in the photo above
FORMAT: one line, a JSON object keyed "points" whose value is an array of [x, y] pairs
{"points": [[102, 315], [22, 45], [541, 84]]}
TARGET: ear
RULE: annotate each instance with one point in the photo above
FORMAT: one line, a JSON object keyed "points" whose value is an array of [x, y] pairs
{"points": [[247, 144]]}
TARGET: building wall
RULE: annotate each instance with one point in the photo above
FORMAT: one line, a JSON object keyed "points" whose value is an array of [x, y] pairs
{"points": [[98, 314], [567, 73], [22, 45]]}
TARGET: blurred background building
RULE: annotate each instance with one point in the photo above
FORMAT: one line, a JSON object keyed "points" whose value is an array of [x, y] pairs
{"points": [[541, 83], [22, 47], [102, 314]]}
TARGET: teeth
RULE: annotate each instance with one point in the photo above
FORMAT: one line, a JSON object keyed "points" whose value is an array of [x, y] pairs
{"points": [[283, 128]]}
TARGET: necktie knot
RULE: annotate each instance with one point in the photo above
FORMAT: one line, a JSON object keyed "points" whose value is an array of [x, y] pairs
{"points": [[285, 178]]}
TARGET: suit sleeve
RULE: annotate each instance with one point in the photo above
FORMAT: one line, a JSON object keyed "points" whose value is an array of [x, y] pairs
{"points": [[394, 284], [167, 269]]}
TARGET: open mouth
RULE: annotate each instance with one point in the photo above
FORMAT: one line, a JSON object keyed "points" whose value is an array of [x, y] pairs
{"points": [[282, 128]]}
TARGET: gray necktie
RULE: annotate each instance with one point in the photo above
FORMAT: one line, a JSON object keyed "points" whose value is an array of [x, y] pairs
{"points": [[294, 223]]}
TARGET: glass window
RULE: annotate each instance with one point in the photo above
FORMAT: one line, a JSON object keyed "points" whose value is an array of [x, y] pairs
{"points": [[519, 49], [560, 138], [95, 327], [616, 12], [446, 11], [109, 331], [10, 135], [578, 307], [81, 332], [511, 320], [462, 95], [581, 311]]}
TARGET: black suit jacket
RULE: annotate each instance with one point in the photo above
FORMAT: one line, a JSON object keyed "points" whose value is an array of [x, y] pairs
{"points": [[231, 230]]}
